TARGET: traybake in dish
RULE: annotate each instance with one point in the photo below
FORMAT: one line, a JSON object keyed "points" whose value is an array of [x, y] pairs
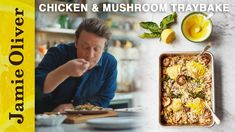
{"points": [[186, 85]]}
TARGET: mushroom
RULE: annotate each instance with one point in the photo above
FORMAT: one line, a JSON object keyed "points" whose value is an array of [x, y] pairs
{"points": [[181, 80], [186, 109], [207, 113], [205, 58], [166, 61], [166, 101]]}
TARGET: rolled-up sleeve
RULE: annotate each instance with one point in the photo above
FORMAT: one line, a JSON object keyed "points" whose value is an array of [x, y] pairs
{"points": [[48, 63]]}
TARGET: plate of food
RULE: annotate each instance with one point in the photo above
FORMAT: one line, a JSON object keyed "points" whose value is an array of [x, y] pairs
{"points": [[87, 109], [186, 86]]}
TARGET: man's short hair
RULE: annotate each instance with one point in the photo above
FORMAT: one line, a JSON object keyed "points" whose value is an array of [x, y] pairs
{"points": [[96, 26]]}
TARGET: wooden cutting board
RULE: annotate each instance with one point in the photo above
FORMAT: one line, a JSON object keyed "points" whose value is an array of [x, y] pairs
{"points": [[76, 118]]}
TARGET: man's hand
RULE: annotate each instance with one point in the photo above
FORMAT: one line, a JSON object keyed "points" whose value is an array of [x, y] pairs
{"points": [[77, 67], [62, 107]]}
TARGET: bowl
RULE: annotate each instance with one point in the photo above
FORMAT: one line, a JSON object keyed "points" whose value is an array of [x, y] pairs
{"points": [[49, 120], [196, 27]]}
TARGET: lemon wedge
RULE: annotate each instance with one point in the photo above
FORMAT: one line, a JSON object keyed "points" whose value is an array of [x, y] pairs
{"points": [[168, 36]]}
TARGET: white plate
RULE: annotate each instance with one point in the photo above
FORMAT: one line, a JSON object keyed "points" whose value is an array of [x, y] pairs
{"points": [[49, 120], [115, 123]]}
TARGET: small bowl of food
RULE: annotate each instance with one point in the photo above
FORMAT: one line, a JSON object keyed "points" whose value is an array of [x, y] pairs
{"points": [[49, 119], [196, 27]]}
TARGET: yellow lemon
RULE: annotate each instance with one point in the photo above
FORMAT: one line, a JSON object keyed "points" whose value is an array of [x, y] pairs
{"points": [[168, 36]]}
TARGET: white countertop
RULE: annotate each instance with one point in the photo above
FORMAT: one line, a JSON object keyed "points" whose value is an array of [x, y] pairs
{"points": [[76, 128], [83, 127], [223, 49]]}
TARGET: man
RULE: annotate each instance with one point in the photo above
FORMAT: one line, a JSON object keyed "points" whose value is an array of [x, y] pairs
{"points": [[77, 73]]}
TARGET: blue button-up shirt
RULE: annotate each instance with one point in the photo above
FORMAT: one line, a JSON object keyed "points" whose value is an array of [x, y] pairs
{"points": [[97, 86]]}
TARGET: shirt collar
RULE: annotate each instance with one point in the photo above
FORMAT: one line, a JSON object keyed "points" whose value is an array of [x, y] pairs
{"points": [[100, 61]]}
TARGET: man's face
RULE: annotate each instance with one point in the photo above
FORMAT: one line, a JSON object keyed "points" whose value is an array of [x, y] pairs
{"points": [[90, 47]]}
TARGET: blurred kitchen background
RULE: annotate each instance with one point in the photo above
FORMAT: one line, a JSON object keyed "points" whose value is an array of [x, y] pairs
{"points": [[56, 28]]}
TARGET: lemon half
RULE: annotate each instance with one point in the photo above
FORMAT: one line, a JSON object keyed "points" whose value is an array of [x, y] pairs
{"points": [[168, 36]]}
